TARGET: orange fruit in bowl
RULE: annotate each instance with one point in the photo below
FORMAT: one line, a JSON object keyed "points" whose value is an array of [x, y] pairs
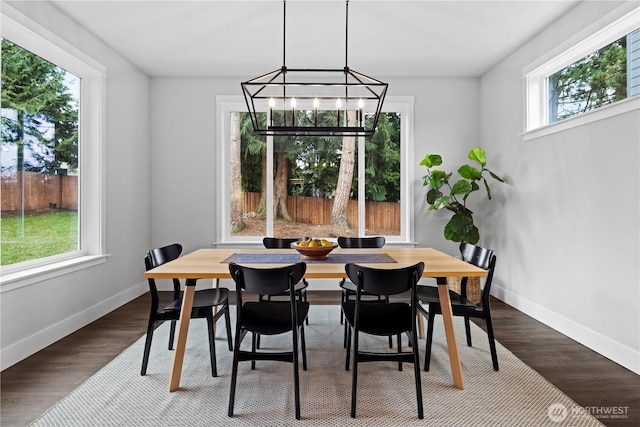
{"points": [[303, 243]]}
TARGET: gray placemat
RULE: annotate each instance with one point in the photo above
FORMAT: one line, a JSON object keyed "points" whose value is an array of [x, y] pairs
{"points": [[280, 258]]}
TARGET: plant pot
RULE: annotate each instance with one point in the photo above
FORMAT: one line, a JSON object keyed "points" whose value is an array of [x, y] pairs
{"points": [[474, 293]]}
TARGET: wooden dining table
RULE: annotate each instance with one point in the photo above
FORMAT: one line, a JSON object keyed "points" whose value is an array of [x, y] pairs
{"points": [[213, 264]]}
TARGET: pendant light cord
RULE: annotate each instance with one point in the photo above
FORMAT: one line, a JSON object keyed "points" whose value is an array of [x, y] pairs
{"points": [[284, 34], [346, 35]]}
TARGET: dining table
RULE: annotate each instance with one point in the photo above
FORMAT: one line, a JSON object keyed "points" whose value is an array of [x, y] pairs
{"points": [[213, 263]]}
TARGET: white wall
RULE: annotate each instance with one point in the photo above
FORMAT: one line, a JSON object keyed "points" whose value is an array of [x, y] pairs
{"points": [[183, 162], [35, 316], [183, 151], [567, 227]]}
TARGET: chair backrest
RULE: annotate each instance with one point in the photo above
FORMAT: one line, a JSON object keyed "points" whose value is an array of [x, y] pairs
{"points": [[155, 258], [483, 258], [266, 281], [281, 243], [159, 256], [361, 242], [385, 281]]}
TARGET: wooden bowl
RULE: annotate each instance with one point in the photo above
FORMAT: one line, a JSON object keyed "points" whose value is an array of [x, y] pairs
{"points": [[313, 253]]}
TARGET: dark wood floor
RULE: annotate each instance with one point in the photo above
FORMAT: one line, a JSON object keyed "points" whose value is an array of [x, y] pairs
{"points": [[30, 387]]}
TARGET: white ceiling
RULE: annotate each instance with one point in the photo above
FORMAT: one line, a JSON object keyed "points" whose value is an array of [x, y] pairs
{"points": [[245, 38]]}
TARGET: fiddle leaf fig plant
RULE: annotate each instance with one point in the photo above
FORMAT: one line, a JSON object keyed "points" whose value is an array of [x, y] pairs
{"points": [[445, 193]]}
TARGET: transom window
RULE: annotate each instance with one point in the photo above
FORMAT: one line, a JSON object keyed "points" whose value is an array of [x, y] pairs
{"points": [[600, 70]]}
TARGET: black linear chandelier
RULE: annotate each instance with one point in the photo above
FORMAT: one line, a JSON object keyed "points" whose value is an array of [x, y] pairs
{"points": [[297, 98]]}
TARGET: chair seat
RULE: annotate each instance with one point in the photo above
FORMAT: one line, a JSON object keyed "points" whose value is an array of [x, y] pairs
{"points": [[271, 317], [203, 299], [429, 295], [381, 319]]}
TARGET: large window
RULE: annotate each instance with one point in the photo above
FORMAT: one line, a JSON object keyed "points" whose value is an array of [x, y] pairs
{"points": [[600, 70], [314, 186], [39, 163], [51, 162]]}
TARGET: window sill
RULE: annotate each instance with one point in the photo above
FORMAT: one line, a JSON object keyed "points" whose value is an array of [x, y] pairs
{"points": [[620, 107], [19, 279]]}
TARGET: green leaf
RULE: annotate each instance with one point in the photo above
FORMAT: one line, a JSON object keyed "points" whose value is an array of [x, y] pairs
{"points": [[441, 202], [433, 195], [469, 172], [496, 177], [478, 155], [461, 187], [431, 160], [437, 178], [461, 228], [486, 186]]}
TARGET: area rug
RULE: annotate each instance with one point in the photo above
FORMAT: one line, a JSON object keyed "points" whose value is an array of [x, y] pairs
{"points": [[118, 396]]}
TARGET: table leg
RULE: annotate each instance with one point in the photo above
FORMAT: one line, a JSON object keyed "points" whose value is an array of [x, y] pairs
{"points": [[452, 346], [183, 329]]}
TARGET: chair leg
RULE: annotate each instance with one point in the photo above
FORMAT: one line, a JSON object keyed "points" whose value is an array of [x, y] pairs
{"points": [[354, 382], [212, 344], [430, 321], [348, 332], [344, 344], [467, 330], [296, 372], [172, 334], [416, 370], [254, 343], [492, 342], [304, 298], [386, 300], [227, 320], [234, 371], [147, 347], [303, 345], [399, 350]]}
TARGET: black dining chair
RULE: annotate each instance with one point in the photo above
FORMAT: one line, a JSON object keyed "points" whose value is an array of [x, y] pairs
{"points": [[460, 305], [264, 317], [347, 287], [204, 302], [285, 243], [393, 318]]}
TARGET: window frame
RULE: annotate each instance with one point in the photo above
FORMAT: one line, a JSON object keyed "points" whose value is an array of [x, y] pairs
{"points": [[225, 104], [23, 31], [613, 26]]}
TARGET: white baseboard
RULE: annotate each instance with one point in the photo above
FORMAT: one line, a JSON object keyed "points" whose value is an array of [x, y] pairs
{"points": [[45, 337], [615, 351]]}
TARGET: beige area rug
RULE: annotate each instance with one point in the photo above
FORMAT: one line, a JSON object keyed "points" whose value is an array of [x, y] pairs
{"points": [[118, 396]]}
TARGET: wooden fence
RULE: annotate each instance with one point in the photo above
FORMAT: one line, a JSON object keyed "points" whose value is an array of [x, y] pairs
{"points": [[317, 211], [42, 191]]}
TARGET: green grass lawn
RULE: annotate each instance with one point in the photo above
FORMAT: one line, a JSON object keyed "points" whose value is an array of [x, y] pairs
{"points": [[37, 236]]}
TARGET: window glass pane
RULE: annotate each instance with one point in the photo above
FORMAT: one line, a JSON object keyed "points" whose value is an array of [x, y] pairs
{"points": [[598, 79], [382, 175], [315, 182], [39, 157]]}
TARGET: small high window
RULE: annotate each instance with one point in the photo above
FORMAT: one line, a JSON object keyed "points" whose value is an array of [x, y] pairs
{"points": [[600, 70]]}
